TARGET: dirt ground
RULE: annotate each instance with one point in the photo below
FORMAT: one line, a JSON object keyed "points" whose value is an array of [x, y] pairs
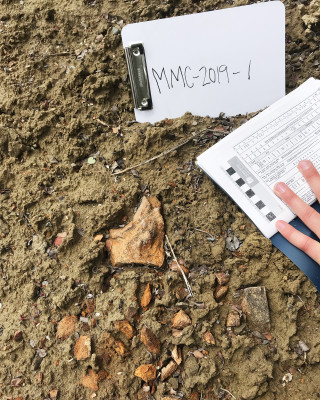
{"points": [[67, 124]]}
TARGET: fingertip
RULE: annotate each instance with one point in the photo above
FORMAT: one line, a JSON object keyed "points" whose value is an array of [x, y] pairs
{"points": [[280, 187], [281, 225], [305, 165]]}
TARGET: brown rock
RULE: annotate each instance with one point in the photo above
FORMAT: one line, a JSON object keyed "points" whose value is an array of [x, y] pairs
{"points": [[168, 370], [82, 348], [89, 307], [90, 380], [149, 339], [53, 394], [208, 338], [146, 372], [176, 355], [177, 333], [66, 327], [174, 267], [39, 378], [125, 328], [233, 319], [141, 241], [120, 348], [220, 292], [105, 348], [198, 354], [181, 293], [17, 337], [194, 395], [180, 320], [98, 238], [222, 278], [255, 306], [17, 382], [147, 296]]}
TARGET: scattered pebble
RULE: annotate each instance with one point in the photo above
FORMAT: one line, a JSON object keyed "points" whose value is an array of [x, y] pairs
{"points": [[209, 338], [98, 238], [82, 348], [255, 306], [220, 292], [66, 327], [301, 348], [18, 336], [181, 320], [222, 278], [232, 242], [53, 394], [125, 328], [198, 354], [176, 354], [286, 378], [147, 372], [168, 370], [90, 380], [115, 30], [147, 296], [233, 319], [150, 340]]}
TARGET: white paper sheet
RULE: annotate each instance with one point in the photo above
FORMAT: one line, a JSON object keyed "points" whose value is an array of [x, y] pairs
{"points": [[249, 161], [230, 61]]}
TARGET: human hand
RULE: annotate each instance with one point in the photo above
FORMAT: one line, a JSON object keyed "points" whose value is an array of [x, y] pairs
{"points": [[306, 213]]}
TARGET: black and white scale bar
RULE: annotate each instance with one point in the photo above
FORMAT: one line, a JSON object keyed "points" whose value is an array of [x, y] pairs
{"points": [[252, 197]]}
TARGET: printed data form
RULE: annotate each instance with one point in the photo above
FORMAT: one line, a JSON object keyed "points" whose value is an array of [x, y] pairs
{"points": [[274, 151], [266, 150]]}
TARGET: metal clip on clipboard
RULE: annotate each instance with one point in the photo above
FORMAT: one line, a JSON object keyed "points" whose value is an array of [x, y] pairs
{"points": [[138, 75]]}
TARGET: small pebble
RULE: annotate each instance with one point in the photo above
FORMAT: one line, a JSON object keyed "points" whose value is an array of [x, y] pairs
{"points": [[115, 30], [17, 336]]}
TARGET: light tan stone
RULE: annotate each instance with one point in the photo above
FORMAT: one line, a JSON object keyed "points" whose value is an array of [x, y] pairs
{"points": [[233, 319], [147, 296], [220, 292], [66, 327], [176, 355], [180, 320], [168, 370], [149, 339], [90, 380], [222, 278], [141, 241], [147, 372], [255, 305], [82, 348], [208, 338], [125, 327]]}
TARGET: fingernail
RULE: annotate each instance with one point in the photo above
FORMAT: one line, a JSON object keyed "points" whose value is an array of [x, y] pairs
{"points": [[305, 164], [281, 225], [280, 187]]}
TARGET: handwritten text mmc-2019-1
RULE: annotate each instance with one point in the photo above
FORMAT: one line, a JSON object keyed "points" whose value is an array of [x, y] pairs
{"points": [[189, 78]]}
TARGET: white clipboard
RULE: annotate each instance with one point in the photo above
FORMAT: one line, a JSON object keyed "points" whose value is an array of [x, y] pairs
{"points": [[230, 61]]}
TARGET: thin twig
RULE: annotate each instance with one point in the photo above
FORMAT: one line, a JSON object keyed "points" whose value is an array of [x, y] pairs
{"points": [[227, 391], [164, 153], [301, 301], [181, 270], [101, 122], [63, 53], [207, 233]]}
